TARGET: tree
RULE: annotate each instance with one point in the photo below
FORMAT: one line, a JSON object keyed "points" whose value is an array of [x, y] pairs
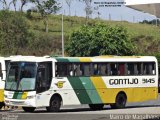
{"points": [[45, 8], [6, 5], [97, 11], [14, 4], [69, 6], [99, 40], [23, 2], [88, 8], [14, 33]]}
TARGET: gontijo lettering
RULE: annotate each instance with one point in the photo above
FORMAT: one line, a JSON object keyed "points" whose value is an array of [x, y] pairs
{"points": [[123, 81]]}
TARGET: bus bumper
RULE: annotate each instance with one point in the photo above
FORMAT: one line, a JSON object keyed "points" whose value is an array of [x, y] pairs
{"points": [[23, 103], [26, 99]]}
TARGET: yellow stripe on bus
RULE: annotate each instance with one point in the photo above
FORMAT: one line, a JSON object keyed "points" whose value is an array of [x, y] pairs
{"points": [[24, 95], [1, 95], [111, 56], [85, 59], [100, 88]]}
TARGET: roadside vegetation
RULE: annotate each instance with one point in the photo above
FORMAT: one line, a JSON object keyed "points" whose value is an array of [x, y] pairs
{"points": [[38, 32]]}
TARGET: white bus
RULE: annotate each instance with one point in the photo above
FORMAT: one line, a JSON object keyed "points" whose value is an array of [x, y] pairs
{"points": [[3, 68], [4, 61], [96, 81]]}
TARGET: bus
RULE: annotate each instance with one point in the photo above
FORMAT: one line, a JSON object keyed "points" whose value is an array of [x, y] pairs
{"points": [[3, 68], [159, 81], [4, 62], [53, 82]]}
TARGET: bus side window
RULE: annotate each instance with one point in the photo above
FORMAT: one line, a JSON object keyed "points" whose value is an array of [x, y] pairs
{"points": [[152, 70], [74, 69], [62, 69], [78, 71], [86, 69], [138, 68], [121, 69], [130, 68], [104, 69], [70, 69], [96, 69], [82, 69], [146, 68], [114, 68]]}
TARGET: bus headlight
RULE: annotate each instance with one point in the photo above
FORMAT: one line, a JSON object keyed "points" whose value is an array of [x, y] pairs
{"points": [[30, 97]]}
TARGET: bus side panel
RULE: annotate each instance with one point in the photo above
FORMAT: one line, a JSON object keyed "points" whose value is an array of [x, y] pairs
{"points": [[68, 91], [94, 90], [144, 94], [1, 95], [134, 94]]}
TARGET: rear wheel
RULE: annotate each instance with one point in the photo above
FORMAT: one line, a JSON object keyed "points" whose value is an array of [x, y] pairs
{"points": [[120, 101], [29, 109], [96, 106], [1, 105], [55, 104]]}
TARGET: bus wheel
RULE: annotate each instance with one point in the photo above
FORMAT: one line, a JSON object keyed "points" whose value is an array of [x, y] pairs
{"points": [[55, 104], [29, 109], [96, 106], [121, 100], [1, 105]]}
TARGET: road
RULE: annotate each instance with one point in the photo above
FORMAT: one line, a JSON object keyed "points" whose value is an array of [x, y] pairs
{"points": [[143, 110]]}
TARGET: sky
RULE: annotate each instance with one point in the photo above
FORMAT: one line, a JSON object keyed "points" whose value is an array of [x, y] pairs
{"points": [[117, 13], [131, 2]]}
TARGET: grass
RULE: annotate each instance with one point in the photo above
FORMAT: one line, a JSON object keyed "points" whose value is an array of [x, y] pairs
{"points": [[71, 23]]}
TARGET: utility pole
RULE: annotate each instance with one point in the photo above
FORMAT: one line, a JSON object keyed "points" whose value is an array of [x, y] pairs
{"points": [[62, 34], [110, 17], [155, 14], [133, 19]]}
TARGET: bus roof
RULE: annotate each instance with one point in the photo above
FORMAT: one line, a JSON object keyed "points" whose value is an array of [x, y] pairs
{"points": [[86, 59], [105, 58], [32, 59]]}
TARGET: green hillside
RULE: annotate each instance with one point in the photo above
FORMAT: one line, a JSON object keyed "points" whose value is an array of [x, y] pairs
{"points": [[145, 37], [140, 33], [71, 23]]}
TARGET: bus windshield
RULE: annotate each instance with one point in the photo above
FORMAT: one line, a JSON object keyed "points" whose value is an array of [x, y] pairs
{"points": [[21, 76]]}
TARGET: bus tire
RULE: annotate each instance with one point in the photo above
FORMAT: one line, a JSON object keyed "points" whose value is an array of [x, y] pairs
{"points": [[29, 109], [121, 100], [1, 105], [55, 104], [96, 106]]}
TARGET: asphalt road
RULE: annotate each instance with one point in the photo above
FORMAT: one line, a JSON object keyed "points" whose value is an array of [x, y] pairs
{"points": [[137, 111]]}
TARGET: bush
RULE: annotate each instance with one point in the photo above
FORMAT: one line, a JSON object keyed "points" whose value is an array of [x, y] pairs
{"points": [[43, 44], [143, 44], [99, 39], [14, 33], [157, 55]]}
